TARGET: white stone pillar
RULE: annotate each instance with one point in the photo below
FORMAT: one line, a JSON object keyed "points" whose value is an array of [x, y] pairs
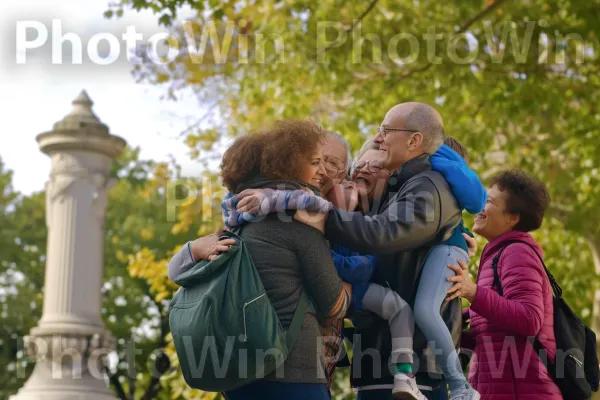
{"points": [[70, 341]]}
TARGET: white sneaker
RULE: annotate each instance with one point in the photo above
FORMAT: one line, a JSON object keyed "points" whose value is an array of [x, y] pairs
{"points": [[405, 388], [468, 393]]}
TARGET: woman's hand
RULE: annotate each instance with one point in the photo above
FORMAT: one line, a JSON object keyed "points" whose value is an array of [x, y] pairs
{"points": [[463, 285], [471, 244], [250, 200], [210, 247]]}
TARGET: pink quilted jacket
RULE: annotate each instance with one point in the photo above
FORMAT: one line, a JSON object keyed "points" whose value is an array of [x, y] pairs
{"points": [[504, 365]]}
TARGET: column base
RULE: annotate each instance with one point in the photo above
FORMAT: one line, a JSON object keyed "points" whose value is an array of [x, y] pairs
{"points": [[68, 367], [42, 385]]}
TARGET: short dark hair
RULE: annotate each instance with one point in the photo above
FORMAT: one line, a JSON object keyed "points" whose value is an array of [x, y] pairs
{"points": [[456, 146], [527, 196]]}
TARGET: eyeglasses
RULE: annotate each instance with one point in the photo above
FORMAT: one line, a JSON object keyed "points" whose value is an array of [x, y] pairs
{"points": [[334, 165], [382, 130], [373, 166]]}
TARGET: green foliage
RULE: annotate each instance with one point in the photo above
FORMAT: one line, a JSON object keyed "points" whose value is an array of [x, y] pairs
{"points": [[527, 98]]}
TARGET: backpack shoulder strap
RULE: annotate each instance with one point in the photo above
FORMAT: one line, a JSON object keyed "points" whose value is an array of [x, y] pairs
{"points": [[497, 284], [295, 327], [293, 331], [556, 289]]}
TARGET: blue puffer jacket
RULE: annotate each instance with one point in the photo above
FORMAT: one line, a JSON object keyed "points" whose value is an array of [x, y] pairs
{"points": [[464, 182]]}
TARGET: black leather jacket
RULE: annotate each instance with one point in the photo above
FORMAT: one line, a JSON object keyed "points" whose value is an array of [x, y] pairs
{"points": [[417, 211]]}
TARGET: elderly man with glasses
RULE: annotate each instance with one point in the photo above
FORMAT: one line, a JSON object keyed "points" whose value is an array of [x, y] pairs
{"points": [[337, 159], [417, 210]]}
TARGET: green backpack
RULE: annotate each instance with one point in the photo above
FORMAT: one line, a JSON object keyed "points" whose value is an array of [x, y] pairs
{"points": [[225, 330]]}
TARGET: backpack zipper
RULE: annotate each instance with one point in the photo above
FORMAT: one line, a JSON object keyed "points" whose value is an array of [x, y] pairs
{"points": [[245, 338], [577, 361]]}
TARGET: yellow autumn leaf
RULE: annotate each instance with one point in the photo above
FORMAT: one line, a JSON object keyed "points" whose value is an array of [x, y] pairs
{"points": [[146, 234]]}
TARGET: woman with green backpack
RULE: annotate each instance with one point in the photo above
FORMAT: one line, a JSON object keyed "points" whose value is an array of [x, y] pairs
{"points": [[289, 256]]}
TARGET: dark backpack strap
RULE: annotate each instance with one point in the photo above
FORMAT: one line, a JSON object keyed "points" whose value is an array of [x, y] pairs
{"points": [[295, 327], [556, 289], [496, 283]]}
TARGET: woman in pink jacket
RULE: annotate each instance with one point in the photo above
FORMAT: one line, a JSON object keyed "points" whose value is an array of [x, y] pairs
{"points": [[505, 366]]}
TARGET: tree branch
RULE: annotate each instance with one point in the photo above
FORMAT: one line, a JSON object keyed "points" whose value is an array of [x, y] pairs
{"points": [[560, 212], [114, 380], [362, 16], [198, 121], [462, 29], [595, 249], [479, 107], [357, 21], [414, 71], [480, 15], [132, 380], [154, 385]]}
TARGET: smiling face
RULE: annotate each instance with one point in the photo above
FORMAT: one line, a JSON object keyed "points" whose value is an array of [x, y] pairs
{"points": [[369, 176], [396, 145], [494, 220], [335, 158], [313, 171]]}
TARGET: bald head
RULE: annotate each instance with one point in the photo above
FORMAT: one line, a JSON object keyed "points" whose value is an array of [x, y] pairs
{"points": [[419, 117]]}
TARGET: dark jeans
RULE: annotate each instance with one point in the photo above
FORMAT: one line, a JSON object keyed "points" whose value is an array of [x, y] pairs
{"points": [[439, 392], [267, 390]]}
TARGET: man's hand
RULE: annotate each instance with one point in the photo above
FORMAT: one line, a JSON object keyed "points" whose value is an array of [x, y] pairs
{"points": [[344, 196], [463, 285], [210, 247], [316, 220], [471, 244]]}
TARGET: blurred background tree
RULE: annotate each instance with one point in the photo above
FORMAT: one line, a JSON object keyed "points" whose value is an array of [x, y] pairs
{"points": [[516, 82]]}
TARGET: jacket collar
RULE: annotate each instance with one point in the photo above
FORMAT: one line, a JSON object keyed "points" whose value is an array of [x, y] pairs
{"points": [[260, 182], [407, 171], [511, 236]]}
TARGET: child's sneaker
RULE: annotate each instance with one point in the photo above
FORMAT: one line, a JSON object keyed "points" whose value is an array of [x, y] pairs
{"points": [[405, 388], [466, 393]]}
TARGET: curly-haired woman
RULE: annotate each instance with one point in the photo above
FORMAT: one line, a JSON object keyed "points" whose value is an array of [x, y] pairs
{"points": [[288, 255]]}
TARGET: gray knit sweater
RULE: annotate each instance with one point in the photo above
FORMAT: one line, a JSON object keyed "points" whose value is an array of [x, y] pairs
{"points": [[288, 256]]}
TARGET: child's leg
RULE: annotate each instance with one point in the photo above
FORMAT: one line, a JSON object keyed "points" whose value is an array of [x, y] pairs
{"points": [[390, 306], [433, 288]]}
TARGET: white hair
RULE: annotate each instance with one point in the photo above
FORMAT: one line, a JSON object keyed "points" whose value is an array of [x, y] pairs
{"points": [[369, 144], [347, 146]]}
